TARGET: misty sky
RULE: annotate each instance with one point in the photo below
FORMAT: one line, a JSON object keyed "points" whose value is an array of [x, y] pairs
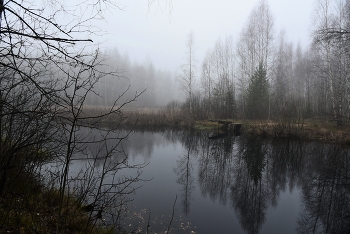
{"points": [[159, 34]]}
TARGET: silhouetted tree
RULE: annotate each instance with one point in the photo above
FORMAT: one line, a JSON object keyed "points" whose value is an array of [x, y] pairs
{"points": [[47, 73], [258, 95]]}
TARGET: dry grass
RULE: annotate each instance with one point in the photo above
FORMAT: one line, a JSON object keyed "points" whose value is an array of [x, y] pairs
{"points": [[314, 130], [322, 131], [205, 125]]}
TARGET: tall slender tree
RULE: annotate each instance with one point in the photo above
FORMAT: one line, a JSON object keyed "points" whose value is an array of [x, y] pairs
{"points": [[187, 76], [332, 40]]}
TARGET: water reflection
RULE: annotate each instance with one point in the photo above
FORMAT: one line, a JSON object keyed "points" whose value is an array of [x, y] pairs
{"points": [[326, 192], [215, 166], [250, 175], [250, 193], [185, 170]]}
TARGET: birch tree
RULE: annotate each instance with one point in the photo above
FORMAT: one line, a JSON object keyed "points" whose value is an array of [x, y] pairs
{"points": [[281, 77], [207, 82], [255, 46], [331, 39], [218, 79], [187, 77]]}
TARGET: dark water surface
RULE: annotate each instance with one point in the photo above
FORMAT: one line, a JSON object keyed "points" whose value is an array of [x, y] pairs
{"points": [[238, 184]]}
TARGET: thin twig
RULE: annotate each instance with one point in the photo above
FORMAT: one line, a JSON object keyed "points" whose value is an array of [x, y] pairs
{"points": [[172, 216], [149, 217]]}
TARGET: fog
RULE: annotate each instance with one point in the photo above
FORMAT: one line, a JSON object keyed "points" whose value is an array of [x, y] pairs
{"points": [[159, 87], [255, 60], [159, 31], [147, 42], [216, 55]]}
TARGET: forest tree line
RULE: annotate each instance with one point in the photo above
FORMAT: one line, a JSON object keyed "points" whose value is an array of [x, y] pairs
{"points": [[262, 75], [265, 76]]}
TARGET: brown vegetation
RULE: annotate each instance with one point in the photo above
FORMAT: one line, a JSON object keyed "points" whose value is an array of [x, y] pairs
{"points": [[322, 131], [311, 130]]}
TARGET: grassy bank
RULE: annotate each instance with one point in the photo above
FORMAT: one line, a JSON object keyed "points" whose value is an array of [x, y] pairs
{"points": [[142, 117], [311, 129], [29, 207]]}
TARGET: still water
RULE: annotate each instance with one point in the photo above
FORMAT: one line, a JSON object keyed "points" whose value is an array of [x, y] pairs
{"points": [[237, 184]]}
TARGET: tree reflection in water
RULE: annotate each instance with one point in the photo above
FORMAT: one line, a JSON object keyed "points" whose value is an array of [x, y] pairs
{"points": [[250, 174], [326, 192], [249, 188], [185, 169], [215, 167]]}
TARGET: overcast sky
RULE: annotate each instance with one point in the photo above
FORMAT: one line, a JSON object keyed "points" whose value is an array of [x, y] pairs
{"points": [[155, 33]]}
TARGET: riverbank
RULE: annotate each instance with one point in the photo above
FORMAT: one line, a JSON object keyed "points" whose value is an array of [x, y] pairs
{"points": [[320, 131], [310, 130], [30, 207]]}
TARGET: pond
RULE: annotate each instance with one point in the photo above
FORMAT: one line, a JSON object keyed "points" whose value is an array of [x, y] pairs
{"points": [[237, 184]]}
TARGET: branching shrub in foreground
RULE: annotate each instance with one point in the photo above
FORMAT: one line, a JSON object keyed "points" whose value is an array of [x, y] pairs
{"points": [[47, 72]]}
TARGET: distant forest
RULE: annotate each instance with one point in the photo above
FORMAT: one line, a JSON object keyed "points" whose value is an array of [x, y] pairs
{"points": [[265, 76], [159, 87], [260, 76]]}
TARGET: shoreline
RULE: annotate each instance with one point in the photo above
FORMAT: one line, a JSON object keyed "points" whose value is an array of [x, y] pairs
{"points": [[310, 130]]}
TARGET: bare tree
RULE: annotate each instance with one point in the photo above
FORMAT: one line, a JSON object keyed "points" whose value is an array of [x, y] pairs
{"points": [[218, 80], [255, 46], [207, 81], [48, 72], [331, 41], [282, 74], [187, 77]]}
